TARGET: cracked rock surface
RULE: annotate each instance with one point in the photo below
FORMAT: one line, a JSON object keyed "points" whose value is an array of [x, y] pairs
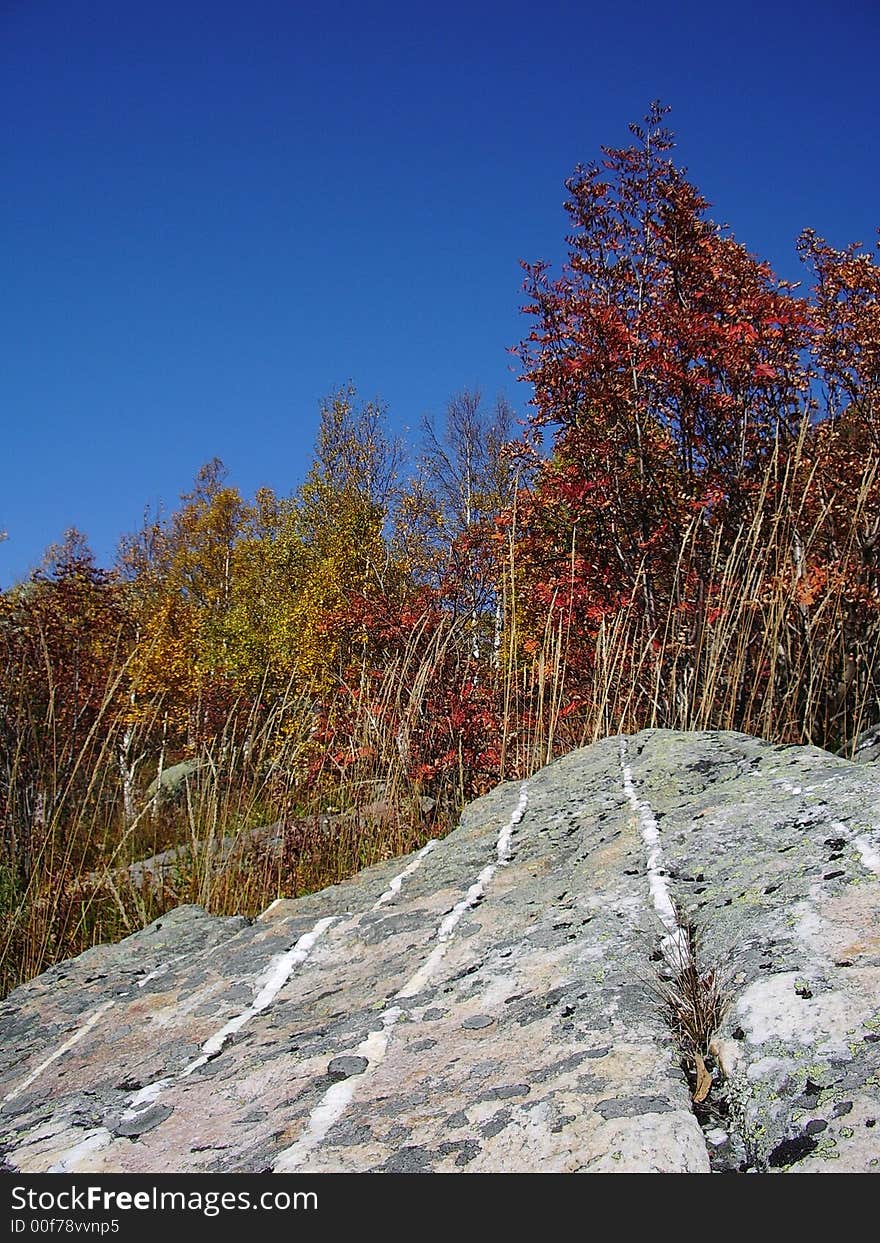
{"points": [[487, 1003]]}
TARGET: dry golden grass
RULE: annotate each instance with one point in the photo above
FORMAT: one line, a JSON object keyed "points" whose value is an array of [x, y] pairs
{"points": [[763, 633]]}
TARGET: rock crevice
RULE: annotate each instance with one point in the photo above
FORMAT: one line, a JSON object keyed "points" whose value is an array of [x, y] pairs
{"points": [[486, 1004]]}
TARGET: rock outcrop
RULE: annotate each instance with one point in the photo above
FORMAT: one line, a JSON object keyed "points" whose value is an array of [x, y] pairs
{"points": [[490, 1002], [170, 784]]}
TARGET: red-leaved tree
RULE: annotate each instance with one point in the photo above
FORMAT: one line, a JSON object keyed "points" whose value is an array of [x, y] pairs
{"points": [[668, 363]]}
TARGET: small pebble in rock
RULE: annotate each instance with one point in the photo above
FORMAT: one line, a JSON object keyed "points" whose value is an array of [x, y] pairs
{"points": [[345, 1067]]}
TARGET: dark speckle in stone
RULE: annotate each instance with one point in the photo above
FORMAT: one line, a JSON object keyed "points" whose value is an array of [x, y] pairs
{"points": [[495, 1124], [130, 1083], [414, 1160], [632, 1106], [790, 1151], [344, 1067], [562, 1067], [506, 1092], [476, 1021], [814, 1127], [354, 1135], [467, 1149]]}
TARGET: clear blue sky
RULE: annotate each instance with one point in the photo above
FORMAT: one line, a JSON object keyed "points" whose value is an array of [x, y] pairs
{"points": [[214, 213]]}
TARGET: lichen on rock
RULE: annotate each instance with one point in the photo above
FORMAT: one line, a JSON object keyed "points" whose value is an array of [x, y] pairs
{"points": [[487, 1004]]}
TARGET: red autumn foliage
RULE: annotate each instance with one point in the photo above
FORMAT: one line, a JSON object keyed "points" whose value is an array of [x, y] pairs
{"points": [[668, 362]]}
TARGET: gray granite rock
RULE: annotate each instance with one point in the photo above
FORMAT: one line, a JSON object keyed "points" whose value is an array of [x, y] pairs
{"points": [[171, 784], [867, 748], [490, 1003]]}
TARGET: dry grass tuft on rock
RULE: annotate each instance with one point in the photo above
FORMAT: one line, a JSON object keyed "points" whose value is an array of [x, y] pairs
{"points": [[694, 998]]}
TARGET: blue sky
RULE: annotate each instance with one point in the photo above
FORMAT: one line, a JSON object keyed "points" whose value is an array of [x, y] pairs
{"points": [[213, 214]]}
